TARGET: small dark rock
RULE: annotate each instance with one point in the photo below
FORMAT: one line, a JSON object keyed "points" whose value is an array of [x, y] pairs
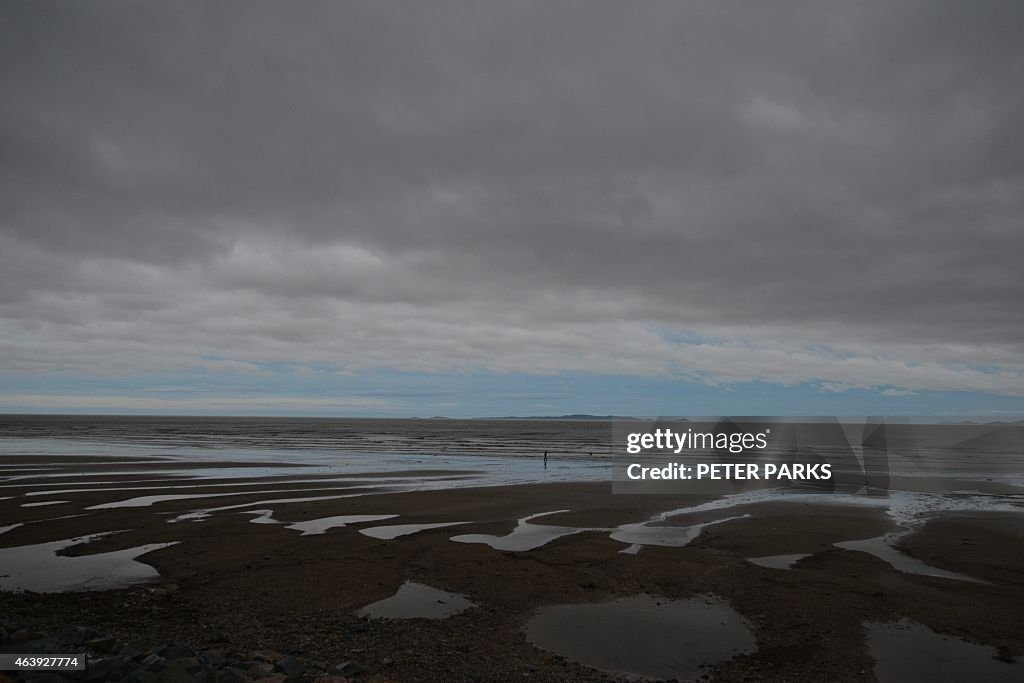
{"points": [[175, 673], [291, 666], [232, 675], [24, 636], [206, 674], [129, 651], [102, 645], [348, 668], [214, 658], [154, 662], [176, 652], [75, 637], [261, 669], [109, 668], [191, 664]]}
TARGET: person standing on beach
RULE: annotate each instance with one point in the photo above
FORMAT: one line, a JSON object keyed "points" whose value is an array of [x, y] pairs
{"points": [[545, 459]]}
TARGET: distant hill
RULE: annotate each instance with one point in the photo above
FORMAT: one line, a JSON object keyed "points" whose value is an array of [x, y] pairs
{"points": [[577, 416]]}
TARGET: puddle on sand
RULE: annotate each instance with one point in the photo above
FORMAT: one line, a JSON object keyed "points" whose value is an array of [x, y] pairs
{"points": [[778, 561], [882, 548], [906, 652], [313, 527], [40, 568], [262, 517], [9, 527], [391, 531], [148, 501], [44, 503], [525, 536], [206, 513], [644, 635], [417, 601], [644, 533]]}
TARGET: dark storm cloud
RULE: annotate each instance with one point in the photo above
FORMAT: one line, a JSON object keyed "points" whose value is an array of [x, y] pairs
{"points": [[801, 191]]}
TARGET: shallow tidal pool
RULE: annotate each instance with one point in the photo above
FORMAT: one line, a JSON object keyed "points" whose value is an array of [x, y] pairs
{"points": [[644, 636]]}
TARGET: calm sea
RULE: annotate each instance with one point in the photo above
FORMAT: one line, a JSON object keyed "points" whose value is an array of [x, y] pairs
{"points": [[981, 452]]}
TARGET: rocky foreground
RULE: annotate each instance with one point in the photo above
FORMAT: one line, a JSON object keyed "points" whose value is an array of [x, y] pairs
{"points": [[109, 659]]}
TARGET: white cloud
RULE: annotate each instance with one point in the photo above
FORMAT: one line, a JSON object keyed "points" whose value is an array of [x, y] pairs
{"points": [[187, 405], [897, 392], [190, 319]]}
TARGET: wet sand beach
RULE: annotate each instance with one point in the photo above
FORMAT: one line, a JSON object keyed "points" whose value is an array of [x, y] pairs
{"points": [[280, 563]]}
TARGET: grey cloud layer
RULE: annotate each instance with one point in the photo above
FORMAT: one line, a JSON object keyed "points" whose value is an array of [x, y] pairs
{"points": [[814, 192]]}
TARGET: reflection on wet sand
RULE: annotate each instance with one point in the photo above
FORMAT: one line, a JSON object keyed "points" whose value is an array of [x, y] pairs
{"points": [[884, 548], [908, 652], [525, 536], [528, 536], [778, 561], [392, 531], [417, 601], [43, 569], [644, 635], [647, 533], [262, 517], [315, 527]]}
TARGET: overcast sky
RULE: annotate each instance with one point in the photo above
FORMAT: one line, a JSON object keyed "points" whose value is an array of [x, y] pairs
{"points": [[420, 207]]}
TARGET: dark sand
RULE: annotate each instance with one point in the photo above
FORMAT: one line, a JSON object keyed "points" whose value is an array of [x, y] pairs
{"points": [[234, 585]]}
